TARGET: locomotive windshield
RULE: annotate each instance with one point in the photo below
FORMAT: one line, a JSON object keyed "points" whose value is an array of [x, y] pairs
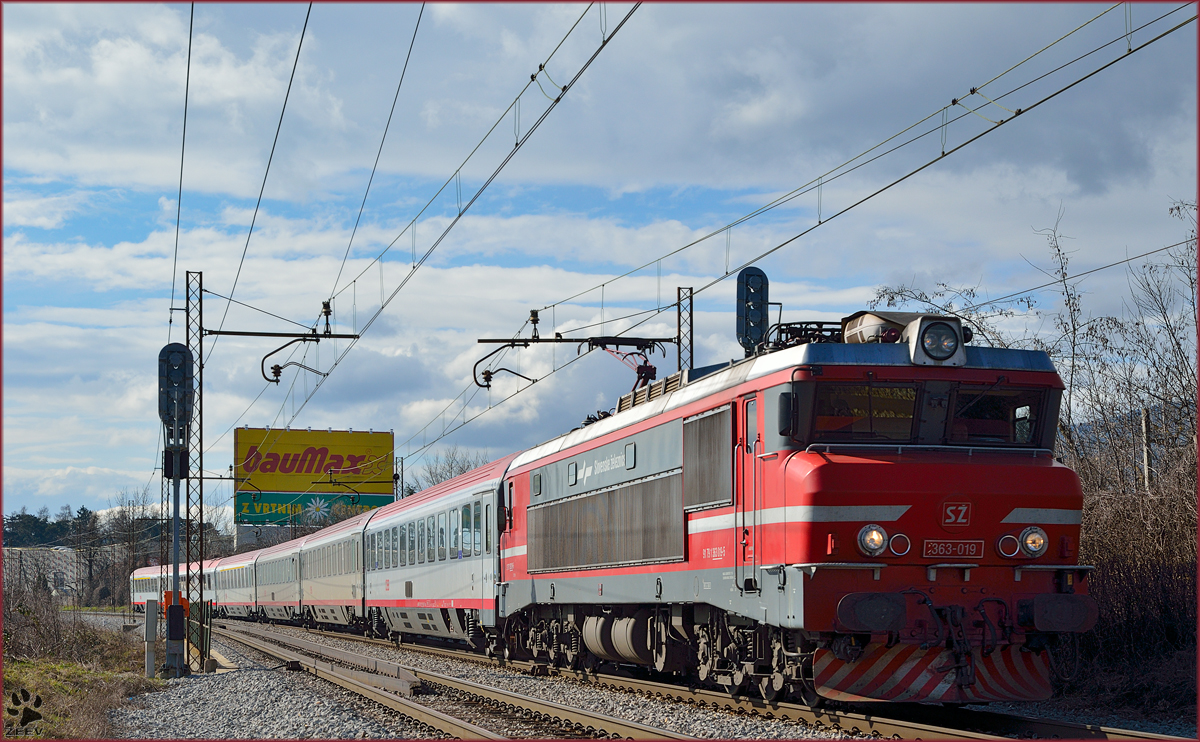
{"points": [[995, 416], [972, 415], [864, 412]]}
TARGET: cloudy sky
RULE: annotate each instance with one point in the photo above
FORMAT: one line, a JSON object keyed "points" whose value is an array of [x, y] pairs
{"points": [[691, 117]]}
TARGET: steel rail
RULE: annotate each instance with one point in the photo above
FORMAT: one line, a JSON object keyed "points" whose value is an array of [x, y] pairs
{"points": [[590, 721], [819, 718], [965, 723], [423, 715]]}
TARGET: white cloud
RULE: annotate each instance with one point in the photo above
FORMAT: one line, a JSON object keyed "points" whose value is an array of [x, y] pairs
{"points": [[684, 112]]}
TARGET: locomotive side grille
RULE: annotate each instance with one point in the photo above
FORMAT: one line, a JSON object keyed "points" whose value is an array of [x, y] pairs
{"points": [[708, 459], [639, 522]]}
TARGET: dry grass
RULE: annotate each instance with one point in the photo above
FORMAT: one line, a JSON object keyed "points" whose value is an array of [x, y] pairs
{"points": [[80, 672]]}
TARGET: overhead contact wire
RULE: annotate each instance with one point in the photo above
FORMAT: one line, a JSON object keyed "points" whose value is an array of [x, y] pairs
{"points": [[380, 152], [449, 180], [263, 188], [468, 205], [844, 169], [187, 83]]}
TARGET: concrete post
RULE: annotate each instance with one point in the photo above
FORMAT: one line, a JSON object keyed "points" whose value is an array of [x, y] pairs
{"points": [[151, 634]]}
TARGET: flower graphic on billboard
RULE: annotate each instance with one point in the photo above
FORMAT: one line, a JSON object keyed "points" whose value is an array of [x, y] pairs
{"points": [[317, 510]]}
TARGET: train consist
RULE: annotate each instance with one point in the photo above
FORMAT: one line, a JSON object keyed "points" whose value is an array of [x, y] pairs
{"points": [[870, 511]]}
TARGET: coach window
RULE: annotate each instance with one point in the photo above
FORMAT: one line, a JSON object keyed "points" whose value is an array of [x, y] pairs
{"points": [[441, 536], [466, 530], [454, 551], [403, 545], [370, 552], [395, 547], [431, 538], [412, 543], [421, 541], [478, 528], [387, 548], [487, 532]]}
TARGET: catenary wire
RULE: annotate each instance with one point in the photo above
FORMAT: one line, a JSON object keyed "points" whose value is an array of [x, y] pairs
{"points": [[807, 187], [845, 168], [263, 188], [655, 312], [380, 152], [411, 224], [566, 88], [187, 82], [248, 306], [510, 155], [448, 431]]}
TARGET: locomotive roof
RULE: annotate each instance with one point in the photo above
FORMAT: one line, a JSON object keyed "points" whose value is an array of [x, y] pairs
{"points": [[701, 382]]}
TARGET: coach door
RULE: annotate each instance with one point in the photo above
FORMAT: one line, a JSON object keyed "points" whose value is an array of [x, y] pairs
{"points": [[749, 495]]}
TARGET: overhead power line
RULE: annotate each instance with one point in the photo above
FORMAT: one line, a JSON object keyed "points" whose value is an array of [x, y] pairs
{"points": [[187, 83], [849, 165], [454, 222], [380, 152], [455, 176], [517, 146], [655, 312], [267, 172]]}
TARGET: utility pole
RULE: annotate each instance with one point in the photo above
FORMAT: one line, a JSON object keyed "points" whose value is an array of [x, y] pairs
{"points": [[175, 399], [1146, 448]]}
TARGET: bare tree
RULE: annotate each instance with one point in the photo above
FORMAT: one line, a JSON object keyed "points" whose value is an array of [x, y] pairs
{"points": [[1128, 429], [447, 465]]}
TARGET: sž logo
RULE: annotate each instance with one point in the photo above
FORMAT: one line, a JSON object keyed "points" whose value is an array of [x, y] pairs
{"points": [[955, 515]]}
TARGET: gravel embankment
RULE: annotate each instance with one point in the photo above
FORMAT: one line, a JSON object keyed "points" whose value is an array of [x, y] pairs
{"points": [[311, 695], [680, 717], [254, 702]]}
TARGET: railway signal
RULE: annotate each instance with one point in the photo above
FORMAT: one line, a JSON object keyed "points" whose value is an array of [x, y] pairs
{"points": [[176, 397], [752, 316]]}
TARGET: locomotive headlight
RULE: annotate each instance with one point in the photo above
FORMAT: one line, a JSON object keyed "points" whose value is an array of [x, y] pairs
{"points": [[939, 341], [872, 540], [1033, 541]]}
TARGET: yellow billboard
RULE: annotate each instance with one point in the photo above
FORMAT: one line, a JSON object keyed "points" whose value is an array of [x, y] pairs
{"points": [[338, 461]]}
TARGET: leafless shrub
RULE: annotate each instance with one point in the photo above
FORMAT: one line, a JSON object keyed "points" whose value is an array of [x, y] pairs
{"points": [[1128, 429]]}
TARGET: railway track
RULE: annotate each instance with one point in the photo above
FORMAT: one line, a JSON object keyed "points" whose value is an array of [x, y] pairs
{"points": [[903, 722], [379, 680]]}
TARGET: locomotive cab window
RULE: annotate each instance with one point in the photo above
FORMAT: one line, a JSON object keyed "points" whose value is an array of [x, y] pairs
{"points": [[987, 416], [846, 413]]}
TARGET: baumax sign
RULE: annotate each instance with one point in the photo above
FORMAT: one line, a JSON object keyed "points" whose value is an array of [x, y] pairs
{"points": [[313, 461]]}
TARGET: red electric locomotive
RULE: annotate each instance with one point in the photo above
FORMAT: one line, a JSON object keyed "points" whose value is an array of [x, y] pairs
{"points": [[870, 512]]}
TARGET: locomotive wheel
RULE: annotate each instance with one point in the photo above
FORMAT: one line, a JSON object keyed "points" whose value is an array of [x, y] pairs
{"points": [[771, 686], [737, 684]]}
